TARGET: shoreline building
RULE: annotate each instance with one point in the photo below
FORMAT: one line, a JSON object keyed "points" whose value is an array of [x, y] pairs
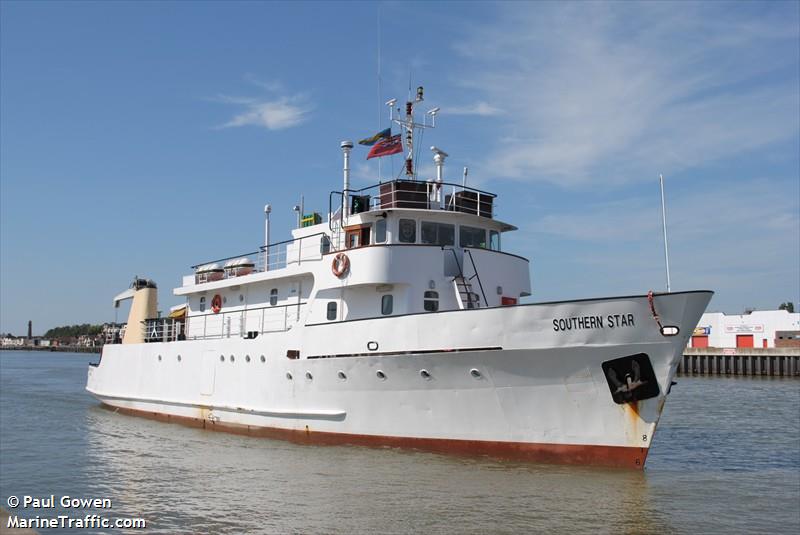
{"points": [[759, 328]]}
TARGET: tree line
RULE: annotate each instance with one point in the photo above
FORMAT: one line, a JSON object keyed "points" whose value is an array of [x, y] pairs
{"points": [[73, 331]]}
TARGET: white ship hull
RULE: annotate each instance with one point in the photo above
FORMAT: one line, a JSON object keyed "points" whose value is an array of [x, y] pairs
{"points": [[521, 381]]}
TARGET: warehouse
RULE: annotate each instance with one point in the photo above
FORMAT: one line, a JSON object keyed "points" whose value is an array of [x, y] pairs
{"points": [[759, 328]]}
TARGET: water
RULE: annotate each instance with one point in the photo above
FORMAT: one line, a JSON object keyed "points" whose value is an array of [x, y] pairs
{"points": [[726, 459]]}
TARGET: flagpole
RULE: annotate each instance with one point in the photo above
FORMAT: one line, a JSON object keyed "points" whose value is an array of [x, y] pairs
{"points": [[664, 224]]}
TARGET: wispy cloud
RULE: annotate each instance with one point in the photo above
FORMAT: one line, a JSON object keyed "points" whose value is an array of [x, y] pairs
{"points": [[618, 91], [718, 238], [284, 112], [273, 112], [483, 109]]}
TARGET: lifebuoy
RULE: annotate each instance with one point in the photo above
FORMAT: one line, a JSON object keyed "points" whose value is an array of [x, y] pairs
{"points": [[216, 304], [340, 265]]}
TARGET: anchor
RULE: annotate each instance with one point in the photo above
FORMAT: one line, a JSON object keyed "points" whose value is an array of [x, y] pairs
{"points": [[631, 378]]}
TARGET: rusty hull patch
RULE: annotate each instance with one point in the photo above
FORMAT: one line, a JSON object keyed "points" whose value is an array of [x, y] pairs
{"points": [[627, 457]]}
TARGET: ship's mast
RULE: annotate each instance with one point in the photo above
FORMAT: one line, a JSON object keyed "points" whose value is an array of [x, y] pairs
{"points": [[408, 125]]}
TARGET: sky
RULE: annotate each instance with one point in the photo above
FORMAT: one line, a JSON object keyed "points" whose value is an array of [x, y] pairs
{"points": [[143, 138]]}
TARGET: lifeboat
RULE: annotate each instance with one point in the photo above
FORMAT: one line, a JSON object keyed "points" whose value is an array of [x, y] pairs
{"points": [[209, 273]]}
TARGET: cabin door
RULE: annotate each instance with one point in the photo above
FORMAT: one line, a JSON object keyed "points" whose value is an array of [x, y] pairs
{"points": [[208, 372]]}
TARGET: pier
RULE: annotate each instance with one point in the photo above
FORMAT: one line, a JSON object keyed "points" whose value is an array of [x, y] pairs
{"points": [[769, 362]]}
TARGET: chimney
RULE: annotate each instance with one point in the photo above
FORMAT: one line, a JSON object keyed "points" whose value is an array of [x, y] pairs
{"points": [[30, 329], [347, 146]]}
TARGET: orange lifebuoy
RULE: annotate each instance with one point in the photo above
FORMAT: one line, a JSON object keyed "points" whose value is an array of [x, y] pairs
{"points": [[340, 265], [216, 304]]}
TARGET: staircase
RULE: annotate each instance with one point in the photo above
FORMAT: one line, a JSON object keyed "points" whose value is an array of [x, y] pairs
{"points": [[465, 296]]}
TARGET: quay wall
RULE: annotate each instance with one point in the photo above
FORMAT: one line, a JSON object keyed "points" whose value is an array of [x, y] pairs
{"points": [[771, 362]]}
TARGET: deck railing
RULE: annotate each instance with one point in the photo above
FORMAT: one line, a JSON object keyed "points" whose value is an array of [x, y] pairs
{"points": [[268, 258], [246, 323], [417, 194]]}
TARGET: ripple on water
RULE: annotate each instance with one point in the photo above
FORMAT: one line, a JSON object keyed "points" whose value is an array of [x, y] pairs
{"points": [[726, 458]]}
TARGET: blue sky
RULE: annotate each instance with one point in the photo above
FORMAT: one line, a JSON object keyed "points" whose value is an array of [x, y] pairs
{"points": [[142, 138]]}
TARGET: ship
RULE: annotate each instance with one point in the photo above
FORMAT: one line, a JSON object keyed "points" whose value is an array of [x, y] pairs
{"points": [[397, 320]]}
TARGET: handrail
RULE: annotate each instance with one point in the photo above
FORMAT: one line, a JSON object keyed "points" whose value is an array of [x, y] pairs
{"points": [[463, 187], [301, 238], [242, 310], [475, 269], [261, 250], [224, 259]]}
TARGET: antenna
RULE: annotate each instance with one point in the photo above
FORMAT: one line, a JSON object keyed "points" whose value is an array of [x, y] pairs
{"points": [[408, 126], [664, 223], [380, 85]]}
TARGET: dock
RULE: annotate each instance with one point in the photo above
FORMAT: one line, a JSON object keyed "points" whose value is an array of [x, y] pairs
{"points": [[767, 362]]}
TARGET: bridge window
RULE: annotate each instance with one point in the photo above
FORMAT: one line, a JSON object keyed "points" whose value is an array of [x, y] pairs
{"points": [[408, 231], [331, 310], [494, 240], [471, 237], [202, 304], [273, 296], [387, 303], [380, 230], [357, 237], [431, 301], [437, 233]]}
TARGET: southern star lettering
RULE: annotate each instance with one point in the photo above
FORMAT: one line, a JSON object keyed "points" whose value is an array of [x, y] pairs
{"points": [[593, 322]]}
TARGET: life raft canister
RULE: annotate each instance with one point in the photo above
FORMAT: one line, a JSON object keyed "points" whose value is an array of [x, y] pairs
{"points": [[340, 265], [216, 303]]}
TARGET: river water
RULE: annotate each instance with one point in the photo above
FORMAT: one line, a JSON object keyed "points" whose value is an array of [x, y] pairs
{"points": [[726, 459]]}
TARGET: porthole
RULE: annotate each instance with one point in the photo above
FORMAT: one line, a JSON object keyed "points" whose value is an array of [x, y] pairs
{"points": [[247, 358], [179, 358], [232, 359], [381, 375], [342, 375], [263, 359], [159, 358], [289, 376], [222, 358], [425, 374], [475, 373], [309, 376]]}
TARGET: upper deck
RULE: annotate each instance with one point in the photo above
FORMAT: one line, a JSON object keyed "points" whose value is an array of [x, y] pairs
{"points": [[420, 195]]}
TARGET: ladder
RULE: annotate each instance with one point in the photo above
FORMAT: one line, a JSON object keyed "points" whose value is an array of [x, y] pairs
{"points": [[465, 296]]}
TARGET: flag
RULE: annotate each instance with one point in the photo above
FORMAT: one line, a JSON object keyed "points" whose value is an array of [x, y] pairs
{"points": [[380, 135], [386, 147]]}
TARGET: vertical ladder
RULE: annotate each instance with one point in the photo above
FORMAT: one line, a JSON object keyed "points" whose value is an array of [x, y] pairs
{"points": [[465, 296]]}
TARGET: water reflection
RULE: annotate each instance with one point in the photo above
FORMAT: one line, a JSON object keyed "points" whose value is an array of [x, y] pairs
{"points": [[179, 478]]}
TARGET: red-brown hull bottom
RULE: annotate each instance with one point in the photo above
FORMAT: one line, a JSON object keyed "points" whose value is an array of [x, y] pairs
{"points": [[609, 456]]}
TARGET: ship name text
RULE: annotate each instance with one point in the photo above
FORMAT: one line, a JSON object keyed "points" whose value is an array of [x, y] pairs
{"points": [[611, 321]]}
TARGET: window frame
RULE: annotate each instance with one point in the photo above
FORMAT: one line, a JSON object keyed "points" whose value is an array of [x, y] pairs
{"points": [[438, 226], [400, 237], [494, 234], [384, 300], [471, 229], [430, 297], [380, 223]]}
